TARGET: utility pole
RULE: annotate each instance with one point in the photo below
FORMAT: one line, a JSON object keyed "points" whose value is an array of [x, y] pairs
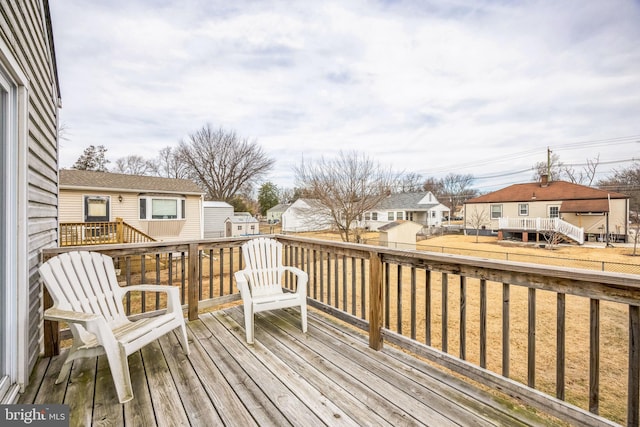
{"points": [[548, 163]]}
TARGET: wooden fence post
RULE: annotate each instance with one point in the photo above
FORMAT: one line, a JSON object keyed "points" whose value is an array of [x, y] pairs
{"points": [[375, 301], [194, 282], [120, 230]]}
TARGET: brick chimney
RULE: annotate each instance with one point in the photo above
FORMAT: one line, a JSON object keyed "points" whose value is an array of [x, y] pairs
{"points": [[544, 180]]}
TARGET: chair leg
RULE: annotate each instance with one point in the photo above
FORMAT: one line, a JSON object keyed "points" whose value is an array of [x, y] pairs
{"points": [[182, 336], [120, 372], [248, 322], [303, 317]]}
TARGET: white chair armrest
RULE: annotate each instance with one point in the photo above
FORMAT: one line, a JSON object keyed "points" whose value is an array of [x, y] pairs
{"points": [[173, 295], [243, 285], [302, 279], [58, 315]]}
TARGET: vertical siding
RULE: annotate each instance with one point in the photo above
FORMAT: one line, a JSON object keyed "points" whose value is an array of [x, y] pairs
{"points": [[24, 27]]}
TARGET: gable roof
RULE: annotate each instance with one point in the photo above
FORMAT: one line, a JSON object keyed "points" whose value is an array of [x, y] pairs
{"points": [[400, 223], [553, 191], [81, 179], [407, 201], [280, 207]]}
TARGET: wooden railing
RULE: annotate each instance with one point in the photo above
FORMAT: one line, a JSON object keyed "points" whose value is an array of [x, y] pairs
{"points": [[545, 335], [100, 233], [543, 224]]}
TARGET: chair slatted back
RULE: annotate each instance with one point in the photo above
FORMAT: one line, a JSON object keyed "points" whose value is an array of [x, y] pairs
{"points": [[85, 282], [263, 258]]}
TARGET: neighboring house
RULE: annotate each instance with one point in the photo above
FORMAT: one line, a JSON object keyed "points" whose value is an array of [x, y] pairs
{"points": [[30, 99], [400, 234], [421, 207], [527, 210], [275, 213], [163, 208], [306, 215], [214, 216], [242, 224]]}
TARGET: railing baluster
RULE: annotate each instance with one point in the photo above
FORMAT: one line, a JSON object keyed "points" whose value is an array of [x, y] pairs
{"points": [[200, 259], [463, 318], [483, 323], [353, 286], [194, 281], [221, 272], [157, 280], [143, 279], [387, 294], [505, 329], [363, 287], [336, 281], [560, 345], [531, 339], [321, 265], [427, 305], [210, 273], [633, 383], [413, 303], [399, 299], [594, 356], [445, 312], [344, 283], [329, 278], [231, 270]]}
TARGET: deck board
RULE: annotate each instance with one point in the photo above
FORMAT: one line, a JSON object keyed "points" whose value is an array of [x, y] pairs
{"points": [[328, 376]]}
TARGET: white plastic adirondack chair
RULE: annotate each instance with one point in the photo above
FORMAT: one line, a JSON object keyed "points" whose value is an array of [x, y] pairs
{"points": [[260, 283], [87, 296]]}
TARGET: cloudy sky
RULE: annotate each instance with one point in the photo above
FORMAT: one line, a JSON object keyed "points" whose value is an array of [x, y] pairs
{"points": [[425, 86]]}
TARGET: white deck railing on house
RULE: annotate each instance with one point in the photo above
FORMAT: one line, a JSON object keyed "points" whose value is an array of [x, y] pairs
{"points": [[542, 225]]}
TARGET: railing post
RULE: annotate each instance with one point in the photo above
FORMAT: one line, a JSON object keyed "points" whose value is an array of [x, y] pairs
{"points": [[51, 329], [375, 301], [194, 282], [119, 230]]}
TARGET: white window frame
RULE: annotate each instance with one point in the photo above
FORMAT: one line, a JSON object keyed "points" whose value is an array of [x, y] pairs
{"points": [[497, 213], [14, 370], [525, 211], [553, 207], [181, 207]]}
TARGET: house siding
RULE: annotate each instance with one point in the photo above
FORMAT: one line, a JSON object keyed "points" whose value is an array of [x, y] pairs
{"points": [[72, 210], [214, 218], [24, 28]]}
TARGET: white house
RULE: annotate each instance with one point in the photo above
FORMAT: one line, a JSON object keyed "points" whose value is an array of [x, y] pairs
{"points": [[421, 207], [275, 213], [242, 224], [306, 215], [215, 215]]}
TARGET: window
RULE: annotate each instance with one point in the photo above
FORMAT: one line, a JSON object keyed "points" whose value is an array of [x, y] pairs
{"points": [[162, 208], [96, 208], [496, 211], [367, 216], [390, 216], [554, 211], [399, 215], [523, 209], [410, 216], [374, 216]]}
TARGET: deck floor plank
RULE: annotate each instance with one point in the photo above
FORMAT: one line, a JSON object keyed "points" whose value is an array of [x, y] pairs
{"points": [[139, 410], [79, 395], [197, 404], [166, 400], [355, 398], [328, 376], [243, 400], [278, 392]]}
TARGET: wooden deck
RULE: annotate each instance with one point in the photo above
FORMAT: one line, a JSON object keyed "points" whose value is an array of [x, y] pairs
{"points": [[327, 377]]}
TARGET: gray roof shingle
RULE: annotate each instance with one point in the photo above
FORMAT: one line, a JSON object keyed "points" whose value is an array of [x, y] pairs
{"points": [[71, 178]]}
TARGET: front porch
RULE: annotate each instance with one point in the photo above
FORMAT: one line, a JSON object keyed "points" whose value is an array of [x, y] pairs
{"points": [[327, 377]]}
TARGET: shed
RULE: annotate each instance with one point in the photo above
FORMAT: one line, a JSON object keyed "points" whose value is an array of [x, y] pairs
{"points": [[215, 213], [399, 234], [241, 225], [274, 214]]}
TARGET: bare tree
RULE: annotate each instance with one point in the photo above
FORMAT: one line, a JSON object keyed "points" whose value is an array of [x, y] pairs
{"points": [[223, 163], [135, 165], [169, 164], [348, 186], [477, 218], [435, 186], [553, 168], [456, 188], [552, 237], [408, 183], [586, 175]]}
